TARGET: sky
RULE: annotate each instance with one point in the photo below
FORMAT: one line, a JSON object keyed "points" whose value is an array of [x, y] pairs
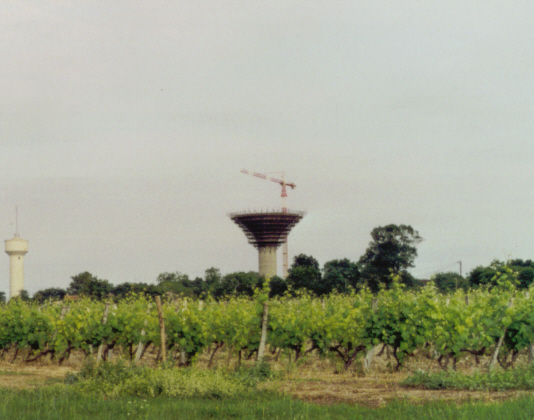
{"points": [[124, 127]]}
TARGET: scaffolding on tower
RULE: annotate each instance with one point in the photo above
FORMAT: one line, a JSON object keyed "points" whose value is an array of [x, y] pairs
{"points": [[283, 183]]}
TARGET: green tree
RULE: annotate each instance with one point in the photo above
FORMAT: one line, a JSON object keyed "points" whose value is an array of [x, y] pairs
{"points": [[525, 277], [125, 289], [239, 283], [408, 280], [481, 276], [341, 275], [85, 284], [486, 276], [446, 282], [24, 296], [199, 286], [520, 263], [303, 260], [212, 277], [278, 286], [52, 293], [305, 274], [393, 249], [525, 270], [176, 277], [176, 283]]}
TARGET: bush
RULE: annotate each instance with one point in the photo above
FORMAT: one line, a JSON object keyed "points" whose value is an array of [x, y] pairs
{"points": [[120, 379], [260, 371]]}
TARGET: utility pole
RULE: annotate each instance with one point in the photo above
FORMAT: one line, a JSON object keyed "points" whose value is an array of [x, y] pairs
{"points": [[459, 262]]}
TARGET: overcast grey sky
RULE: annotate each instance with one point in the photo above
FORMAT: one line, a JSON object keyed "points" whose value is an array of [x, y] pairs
{"points": [[124, 127]]}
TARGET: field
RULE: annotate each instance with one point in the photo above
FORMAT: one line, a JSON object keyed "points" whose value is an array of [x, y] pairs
{"points": [[311, 388], [335, 357]]}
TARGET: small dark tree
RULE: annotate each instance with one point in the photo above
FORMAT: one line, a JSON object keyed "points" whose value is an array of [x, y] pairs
{"points": [[341, 275], [392, 250], [176, 277], [24, 296], [303, 260], [85, 284], [278, 287], [212, 278], [485, 276], [52, 293], [238, 284], [125, 289], [525, 270], [481, 276], [199, 286], [305, 274], [176, 283], [520, 263], [525, 277], [447, 282], [122, 290]]}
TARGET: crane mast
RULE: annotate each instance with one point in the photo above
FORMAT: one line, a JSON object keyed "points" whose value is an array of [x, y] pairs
{"points": [[283, 183]]}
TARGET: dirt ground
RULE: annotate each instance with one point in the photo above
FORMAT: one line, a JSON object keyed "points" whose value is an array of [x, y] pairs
{"points": [[323, 382], [315, 380], [376, 392], [25, 376]]}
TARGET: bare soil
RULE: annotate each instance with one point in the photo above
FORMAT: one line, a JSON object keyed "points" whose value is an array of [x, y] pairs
{"points": [[325, 382], [376, 392], [22, 376]]}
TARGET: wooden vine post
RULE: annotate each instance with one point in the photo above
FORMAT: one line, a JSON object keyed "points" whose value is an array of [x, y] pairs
{"points": [[104, 322], [162, 329], [531, 345], [367, 362], [141, 345], [499, 344], [64, 311], [183, 355], [264, 322]]}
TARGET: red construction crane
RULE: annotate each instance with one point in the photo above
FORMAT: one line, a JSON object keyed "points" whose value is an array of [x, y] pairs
{"points": [[283, 183]]}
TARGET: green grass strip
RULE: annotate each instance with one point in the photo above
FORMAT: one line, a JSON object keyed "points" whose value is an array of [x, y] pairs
{"points": [[60, 403], [514, 379]]}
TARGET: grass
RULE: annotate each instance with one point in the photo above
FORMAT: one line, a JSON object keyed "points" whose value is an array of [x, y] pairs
{"points": [[118, 391], [110, 391], [13, 373], [498, 380], [60, 403], [122, 379]]}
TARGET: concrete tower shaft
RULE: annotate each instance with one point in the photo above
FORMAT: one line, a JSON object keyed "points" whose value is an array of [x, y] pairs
{"points": [[267, 261], [266, 232], [16, 248]]}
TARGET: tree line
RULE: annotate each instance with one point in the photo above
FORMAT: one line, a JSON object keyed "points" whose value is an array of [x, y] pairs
{"points": [[392, 251]]}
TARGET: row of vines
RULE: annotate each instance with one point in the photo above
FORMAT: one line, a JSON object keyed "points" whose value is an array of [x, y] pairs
{"points": [[337, 326]]}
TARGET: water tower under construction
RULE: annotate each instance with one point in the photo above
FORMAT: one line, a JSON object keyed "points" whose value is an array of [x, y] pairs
{"points": [[266, 231]]}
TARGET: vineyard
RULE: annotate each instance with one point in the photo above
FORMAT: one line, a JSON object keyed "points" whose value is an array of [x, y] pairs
{"points": [[490, 325]]}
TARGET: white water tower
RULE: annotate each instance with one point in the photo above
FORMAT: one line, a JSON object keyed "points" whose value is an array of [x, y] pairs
{"points": [[16, 248]]}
